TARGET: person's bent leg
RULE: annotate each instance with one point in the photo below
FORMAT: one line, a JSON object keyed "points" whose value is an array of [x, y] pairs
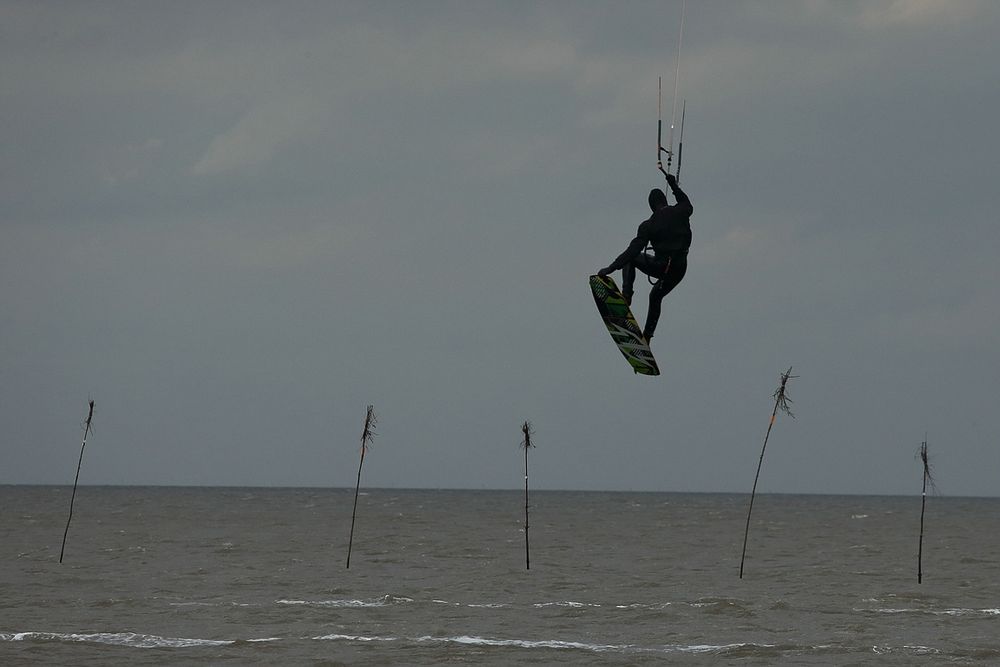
{"points": [[653, 314], [673, 276], [628, 282], [643, 262]]}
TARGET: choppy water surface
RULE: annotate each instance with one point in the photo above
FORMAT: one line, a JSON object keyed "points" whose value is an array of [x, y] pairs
{"points": [[241, 576]]}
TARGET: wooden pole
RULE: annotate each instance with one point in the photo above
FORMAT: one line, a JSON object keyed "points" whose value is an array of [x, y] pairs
{"points": [[927, 479], [86, 431], [781, 401], [367, 435], [526, 445]]}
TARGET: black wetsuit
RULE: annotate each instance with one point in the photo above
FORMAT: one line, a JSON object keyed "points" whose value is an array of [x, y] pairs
{"points": [[669, 232]]}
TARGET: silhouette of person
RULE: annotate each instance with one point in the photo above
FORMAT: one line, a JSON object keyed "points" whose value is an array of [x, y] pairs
{"points": [[668, 230]]}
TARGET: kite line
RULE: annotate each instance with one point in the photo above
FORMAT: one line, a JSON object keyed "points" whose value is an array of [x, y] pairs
{"points": [[669, 150], [677, 78]]}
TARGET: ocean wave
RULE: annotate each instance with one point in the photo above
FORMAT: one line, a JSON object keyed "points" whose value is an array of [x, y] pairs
{"points": [[356, 638], [729, 650], [723, 606], [981, 613], [909, 649], [521, 643], [656, 606], [384, 601], [968, 612], [473, 605], [471, 640], [211, 604], [130, 639], [745, 649]]}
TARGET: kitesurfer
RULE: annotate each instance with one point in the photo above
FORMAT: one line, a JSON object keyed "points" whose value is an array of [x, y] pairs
{"points": [[668, 230]]}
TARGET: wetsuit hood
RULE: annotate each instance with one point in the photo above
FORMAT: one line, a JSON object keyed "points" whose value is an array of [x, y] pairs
{"points": [[657, 199]]}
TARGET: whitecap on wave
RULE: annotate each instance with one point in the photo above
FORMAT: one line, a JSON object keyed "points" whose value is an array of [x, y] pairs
{"points": [[132, 639], [982, 613], [383, 601], [473, 605], [355, 638], [558, 644]]}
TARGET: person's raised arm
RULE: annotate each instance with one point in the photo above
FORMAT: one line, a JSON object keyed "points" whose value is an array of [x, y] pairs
{"points": [[682, 199]]}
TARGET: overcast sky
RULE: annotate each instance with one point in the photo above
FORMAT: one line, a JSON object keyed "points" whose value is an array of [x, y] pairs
{"points": [[234, 225]]}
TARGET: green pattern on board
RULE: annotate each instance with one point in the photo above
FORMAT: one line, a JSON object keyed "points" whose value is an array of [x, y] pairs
{"points": [[621, 324]]}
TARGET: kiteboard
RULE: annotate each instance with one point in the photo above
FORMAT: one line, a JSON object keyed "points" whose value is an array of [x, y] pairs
{"points": [[622, 326]]}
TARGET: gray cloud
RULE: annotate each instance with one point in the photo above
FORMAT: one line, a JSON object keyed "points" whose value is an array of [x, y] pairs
{"points": [[234, 225]]}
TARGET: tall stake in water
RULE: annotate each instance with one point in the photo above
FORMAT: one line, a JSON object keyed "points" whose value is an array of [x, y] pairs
{"points": [[367, 435], [781, 402], [86, 431], [928, 481], [526, 445]]}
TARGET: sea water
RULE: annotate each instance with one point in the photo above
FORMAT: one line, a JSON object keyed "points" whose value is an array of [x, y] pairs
{"points": [[164, 576]]}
